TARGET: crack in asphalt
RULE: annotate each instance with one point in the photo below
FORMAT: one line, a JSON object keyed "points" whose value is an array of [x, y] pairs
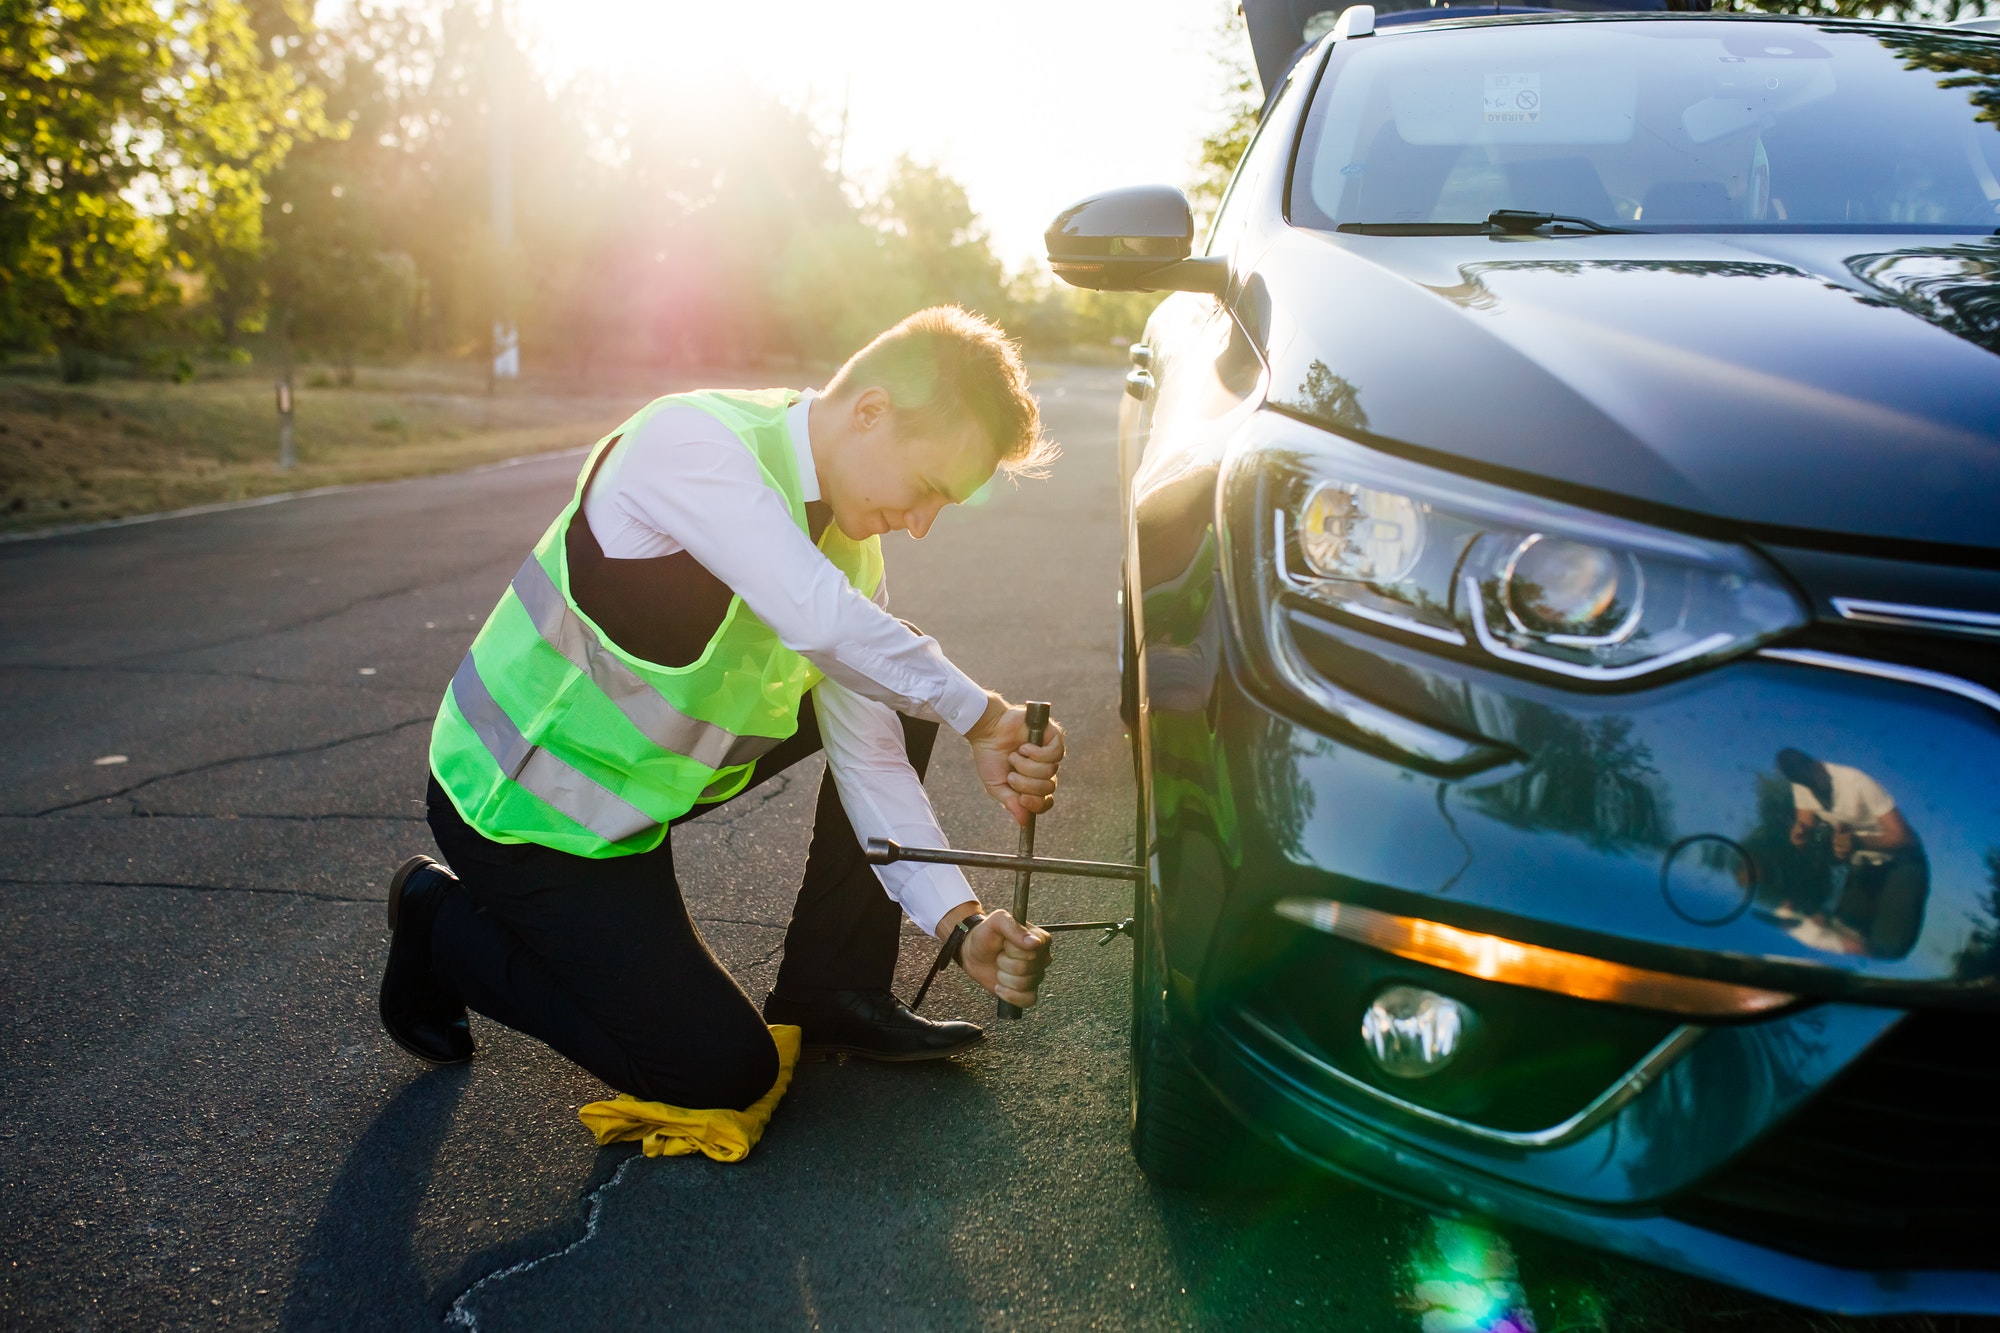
{"points": [[71, 667], [212, 673], [264, 631], [230, 817], [189, 888], [316, 748], [460, 1313], [333, 613]]}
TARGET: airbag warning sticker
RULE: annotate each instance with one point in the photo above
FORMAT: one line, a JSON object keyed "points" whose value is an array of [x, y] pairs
{"points": [[1513, 99]]}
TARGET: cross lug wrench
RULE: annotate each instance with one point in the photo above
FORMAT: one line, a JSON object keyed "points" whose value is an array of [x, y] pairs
{"points": [[1024, 863]]}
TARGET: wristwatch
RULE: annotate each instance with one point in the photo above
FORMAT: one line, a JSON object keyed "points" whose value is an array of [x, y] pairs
{"points": [[956, 944]]}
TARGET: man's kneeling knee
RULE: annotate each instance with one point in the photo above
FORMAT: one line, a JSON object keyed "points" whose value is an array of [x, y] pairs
{"points": [[730, 1077]]}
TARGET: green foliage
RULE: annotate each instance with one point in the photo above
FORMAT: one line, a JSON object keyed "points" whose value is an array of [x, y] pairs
{"points": [[1057, 317], [1223, 147], [134, 136], [1921, 11], [76, 256], [939, 240], [1971, 63], [179, 177]]}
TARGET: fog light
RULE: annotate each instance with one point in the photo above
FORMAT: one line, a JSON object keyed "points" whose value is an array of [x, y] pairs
{"points": [[1412, 1032]]}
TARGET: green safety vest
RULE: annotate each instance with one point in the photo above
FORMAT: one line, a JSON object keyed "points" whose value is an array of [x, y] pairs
{"points": [[553, 734]]}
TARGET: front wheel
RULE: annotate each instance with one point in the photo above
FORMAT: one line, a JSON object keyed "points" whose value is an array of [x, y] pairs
{"points": [[1182, 1136]]}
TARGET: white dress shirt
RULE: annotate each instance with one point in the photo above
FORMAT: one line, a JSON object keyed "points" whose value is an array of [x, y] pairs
{"points": [[684, 482]]}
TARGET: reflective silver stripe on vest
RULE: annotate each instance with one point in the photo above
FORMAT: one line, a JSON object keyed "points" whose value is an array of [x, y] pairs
{"points": [[590, 804], [661, 723]]}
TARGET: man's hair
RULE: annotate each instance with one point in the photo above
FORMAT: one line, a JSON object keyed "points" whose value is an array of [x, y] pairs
{"points": [[943, 366]]}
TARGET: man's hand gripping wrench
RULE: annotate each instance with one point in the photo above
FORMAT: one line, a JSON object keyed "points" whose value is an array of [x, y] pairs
{"points": [[1024, 864]]}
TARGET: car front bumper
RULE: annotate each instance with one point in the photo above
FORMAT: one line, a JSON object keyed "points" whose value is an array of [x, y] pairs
{"points": [[1271, 1089], [1570, 847]]}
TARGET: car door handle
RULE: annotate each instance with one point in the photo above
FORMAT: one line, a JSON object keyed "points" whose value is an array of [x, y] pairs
{"points": [[1139, 383]]}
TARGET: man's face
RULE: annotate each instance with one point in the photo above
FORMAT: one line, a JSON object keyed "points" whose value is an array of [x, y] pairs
{"points": [[879, 481]]}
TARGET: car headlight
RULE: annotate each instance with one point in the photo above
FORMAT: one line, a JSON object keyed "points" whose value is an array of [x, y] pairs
{"points": [[1500, 574]]}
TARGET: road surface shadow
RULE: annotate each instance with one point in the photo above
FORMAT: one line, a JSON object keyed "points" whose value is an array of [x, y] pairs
{"points": [[842, 1218], [358, 1268]]}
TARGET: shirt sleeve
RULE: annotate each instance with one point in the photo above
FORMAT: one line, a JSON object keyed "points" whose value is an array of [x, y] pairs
{"points": [[884, 798], [686, 477]]}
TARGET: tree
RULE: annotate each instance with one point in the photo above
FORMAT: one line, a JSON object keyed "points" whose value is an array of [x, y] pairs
{"points": [[1223, 147], [1927, 11], [938, 240], [333, 280], [134, 137]]}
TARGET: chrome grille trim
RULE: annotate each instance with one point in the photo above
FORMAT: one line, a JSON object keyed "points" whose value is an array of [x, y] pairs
{"points": [[1983, 623], [1862, 666]]}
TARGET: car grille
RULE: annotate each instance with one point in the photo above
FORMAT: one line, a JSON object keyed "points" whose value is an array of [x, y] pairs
{"points": [[1969, 658], [1895, 1165]]}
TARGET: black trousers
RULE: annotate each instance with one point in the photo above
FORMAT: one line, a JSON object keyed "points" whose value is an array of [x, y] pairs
{"points": [[599, 959]]}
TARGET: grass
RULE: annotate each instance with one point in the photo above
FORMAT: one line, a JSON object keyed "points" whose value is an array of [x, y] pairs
{"points": [[119, 447]]}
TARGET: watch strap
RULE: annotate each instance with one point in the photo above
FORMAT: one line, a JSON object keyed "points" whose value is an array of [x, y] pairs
{"points": [[956, 944]]}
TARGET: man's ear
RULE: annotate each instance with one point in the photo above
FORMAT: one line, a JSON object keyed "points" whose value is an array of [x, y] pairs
{"points": [[871, 409]]}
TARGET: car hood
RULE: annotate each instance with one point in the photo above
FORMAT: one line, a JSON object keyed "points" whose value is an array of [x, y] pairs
{"points": [[1802, 384]]}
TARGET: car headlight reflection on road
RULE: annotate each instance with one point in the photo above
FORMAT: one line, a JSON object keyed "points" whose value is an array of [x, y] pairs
{"points": [[1501, 574]]}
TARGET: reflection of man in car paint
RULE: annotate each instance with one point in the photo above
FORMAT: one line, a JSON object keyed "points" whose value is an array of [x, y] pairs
{"points": [[1880, 896]]}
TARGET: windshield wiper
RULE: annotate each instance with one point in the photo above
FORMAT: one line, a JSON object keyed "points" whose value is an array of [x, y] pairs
{"points": [[1515, 221], [1500, 222]]}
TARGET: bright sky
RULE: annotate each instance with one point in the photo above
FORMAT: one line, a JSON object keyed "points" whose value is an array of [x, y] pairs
{"points": [[1031, 103]]}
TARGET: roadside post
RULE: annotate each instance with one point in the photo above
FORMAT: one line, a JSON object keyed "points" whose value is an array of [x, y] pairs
{"points": [[288, 453]]}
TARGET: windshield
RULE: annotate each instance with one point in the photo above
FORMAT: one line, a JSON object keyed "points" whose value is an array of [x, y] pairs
{"points": [[1678, 124]]}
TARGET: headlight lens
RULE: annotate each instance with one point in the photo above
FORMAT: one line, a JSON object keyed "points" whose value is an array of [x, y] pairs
{"points": [[1572, 592], [1358, 532], [1503, 574]]}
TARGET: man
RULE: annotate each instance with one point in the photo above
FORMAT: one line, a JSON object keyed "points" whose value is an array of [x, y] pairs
{"points": [[1886, 876], [708, 610]]}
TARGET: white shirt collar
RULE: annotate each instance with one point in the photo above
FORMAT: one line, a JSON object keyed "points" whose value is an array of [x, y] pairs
{"points": [[795, 422]]}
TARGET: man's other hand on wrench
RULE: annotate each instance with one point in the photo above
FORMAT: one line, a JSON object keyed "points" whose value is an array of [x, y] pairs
{"points": [[1000, 953]]}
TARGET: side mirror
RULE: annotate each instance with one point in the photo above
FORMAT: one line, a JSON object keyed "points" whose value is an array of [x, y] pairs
{"points": [[1133, 240]]}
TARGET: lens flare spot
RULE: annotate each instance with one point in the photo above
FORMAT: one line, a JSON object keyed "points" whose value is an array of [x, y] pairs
{"points": [[1464, 1279]]}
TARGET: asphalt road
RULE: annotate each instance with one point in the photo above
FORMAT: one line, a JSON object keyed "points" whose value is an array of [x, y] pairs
{"points": [[201, 1125]]}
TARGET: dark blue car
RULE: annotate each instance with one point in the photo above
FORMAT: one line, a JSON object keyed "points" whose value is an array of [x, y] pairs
{"points": [[1562, 599]]}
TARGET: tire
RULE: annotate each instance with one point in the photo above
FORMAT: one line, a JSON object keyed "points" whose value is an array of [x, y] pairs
{"points": [[1183, 1137], [1128, 667]]}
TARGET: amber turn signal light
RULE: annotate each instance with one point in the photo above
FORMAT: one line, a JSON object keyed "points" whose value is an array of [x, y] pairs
{"points": [[1495, 958]]}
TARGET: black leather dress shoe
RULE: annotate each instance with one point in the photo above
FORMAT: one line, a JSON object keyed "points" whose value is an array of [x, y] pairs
{"points": [[870, 1023], [418, 1012]]}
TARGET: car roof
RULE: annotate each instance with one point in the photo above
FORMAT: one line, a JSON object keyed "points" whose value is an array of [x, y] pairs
{"points": [[1283, 30], [1489, 14]]}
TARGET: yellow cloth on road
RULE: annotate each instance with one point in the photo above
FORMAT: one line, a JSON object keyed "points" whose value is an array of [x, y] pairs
{"points": [[673, 1131]]}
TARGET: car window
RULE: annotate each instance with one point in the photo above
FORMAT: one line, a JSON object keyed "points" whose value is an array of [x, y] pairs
{"points": [[1265, 147], [1686, 124]]}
